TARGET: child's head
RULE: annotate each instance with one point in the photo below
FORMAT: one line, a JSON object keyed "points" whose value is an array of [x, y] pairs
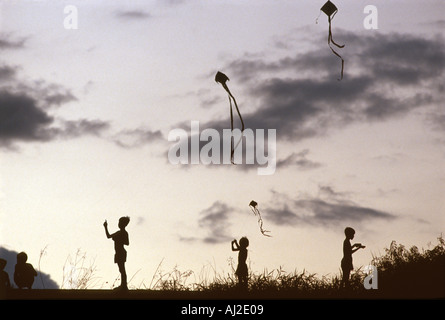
{"points": [[349, 233], [244, 242], [2, 264], [123, 222], [21, 258]]}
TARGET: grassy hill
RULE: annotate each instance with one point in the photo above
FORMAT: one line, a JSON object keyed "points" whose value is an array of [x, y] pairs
{"points": [[402, 274]]}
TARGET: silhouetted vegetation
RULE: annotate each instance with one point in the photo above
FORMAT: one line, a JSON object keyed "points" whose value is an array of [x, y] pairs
{"points": [[412, 272], [402, 273]]}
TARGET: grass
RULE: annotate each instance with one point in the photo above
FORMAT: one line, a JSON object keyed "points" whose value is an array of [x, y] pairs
{"points": [[402, 273], [77, 273]]}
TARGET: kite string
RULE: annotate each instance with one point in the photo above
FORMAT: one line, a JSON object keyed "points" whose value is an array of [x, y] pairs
{"points": [[316, 20]]}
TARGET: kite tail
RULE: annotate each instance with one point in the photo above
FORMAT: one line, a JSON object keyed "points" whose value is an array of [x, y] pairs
{"points": [[232, 149], [236, 106], [232, 152], [260, 222], [330, 39]]}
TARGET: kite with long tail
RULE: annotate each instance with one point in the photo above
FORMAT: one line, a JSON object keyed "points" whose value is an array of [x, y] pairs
{"points": [[254, 207], [222, 78], [330, 10]]}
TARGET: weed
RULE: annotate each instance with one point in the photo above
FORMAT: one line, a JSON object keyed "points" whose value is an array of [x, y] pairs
{"points": [[78, 275], [402, 272]]}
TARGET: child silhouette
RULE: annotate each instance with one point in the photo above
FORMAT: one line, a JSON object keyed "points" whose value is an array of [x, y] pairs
{"points": [[348, 250], [120, 239], [241, 270], [24, 273], [5, 284]]}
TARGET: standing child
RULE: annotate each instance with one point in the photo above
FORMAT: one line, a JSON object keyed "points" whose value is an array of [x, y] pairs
{"points": [[24, 273], [120, 239], [348, 250], [241, 271]]}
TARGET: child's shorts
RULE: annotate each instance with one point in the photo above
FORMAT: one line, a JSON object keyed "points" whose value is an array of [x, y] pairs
{"points": [[120, 256]]}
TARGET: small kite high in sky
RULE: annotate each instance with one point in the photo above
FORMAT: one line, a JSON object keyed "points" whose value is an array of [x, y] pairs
{"points": [[254, 206], [222, 78], [330, 10]]}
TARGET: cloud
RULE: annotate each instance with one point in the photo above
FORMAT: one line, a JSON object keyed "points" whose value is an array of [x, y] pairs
{"points": [[438, 121], [42, 281], [57, 98], [255, 151], [140, 220], [22, 119], [299, 159], [335, 213], [435, 23], [386, 77], [215, 222], [318, 211], [212, 147], [26, 115], [25, 112], [47, 95], [77, 128], [172, 2], [329, 192], [133, 138], [435, 117], [7, 43], [7, 73], [405, 59], [132, 15]]}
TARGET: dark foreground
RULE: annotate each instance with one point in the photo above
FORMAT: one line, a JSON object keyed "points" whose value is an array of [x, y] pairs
{"points": [[51, 294]]}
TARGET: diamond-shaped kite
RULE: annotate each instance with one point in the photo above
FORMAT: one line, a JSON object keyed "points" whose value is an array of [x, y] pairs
{"points": [[254, 207], [330, 10]]}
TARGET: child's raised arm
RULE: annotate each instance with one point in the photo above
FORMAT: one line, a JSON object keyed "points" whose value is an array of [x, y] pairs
{"points": [[106, 229], [236, 248]]}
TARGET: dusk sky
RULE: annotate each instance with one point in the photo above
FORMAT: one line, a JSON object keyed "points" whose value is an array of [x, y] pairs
{"points": [[90, 90]]}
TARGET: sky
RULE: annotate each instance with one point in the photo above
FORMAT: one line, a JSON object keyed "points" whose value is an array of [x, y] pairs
{"points": [[91, 90]]}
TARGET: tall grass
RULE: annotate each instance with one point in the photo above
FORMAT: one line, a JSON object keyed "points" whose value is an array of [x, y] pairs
{"points": [[78, 273], [402, 272], [268, 283]]}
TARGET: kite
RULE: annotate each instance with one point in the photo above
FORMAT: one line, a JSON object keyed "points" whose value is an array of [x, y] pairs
{"points": [[330, 10], [254, 206], [222, 78]]}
